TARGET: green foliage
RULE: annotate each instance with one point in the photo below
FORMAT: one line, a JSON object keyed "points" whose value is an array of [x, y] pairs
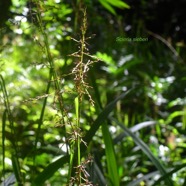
{"points": [[147, 151], [110, 156], [109, 4], [78, 109]]}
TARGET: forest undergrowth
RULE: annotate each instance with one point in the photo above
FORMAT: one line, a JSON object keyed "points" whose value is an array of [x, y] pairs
{"points": [[79, 111]]}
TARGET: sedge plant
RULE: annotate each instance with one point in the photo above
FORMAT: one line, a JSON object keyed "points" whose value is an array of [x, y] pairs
{"points": [[82, 88], [79, 72]]}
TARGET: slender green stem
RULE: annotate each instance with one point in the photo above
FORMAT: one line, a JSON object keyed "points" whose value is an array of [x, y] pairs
{"points": [[77, 107], [41, 116], [3, 140], [15, 160], [51, 63], [72, 146], [52, 74]]}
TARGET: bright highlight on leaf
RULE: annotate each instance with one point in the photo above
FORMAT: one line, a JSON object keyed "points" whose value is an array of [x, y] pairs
{"points": [[110, 4]]}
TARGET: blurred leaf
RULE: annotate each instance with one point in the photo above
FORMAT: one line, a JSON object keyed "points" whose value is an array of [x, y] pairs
{"points": [[146, 177], [16, 168], [110, 156], [111, 65], [115, 3], [103, 116], [9, 181], [176, 169], [118, 3], [107, 6], [134, 129], [50, 170], [174, 115], [147, 151], [3, 141]]}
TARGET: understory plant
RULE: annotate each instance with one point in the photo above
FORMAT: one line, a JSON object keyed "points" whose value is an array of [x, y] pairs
{"points": [[70, 116]]}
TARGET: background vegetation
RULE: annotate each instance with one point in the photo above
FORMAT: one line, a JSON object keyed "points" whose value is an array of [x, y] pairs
{"points": [[81, 104]]}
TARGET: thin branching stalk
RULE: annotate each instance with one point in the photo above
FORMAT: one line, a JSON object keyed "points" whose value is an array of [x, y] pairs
{"points": [[52, 73], [80, 72]]}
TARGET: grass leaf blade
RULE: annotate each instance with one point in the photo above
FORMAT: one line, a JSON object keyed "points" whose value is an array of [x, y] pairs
{"points": [[103, 116], [110, 156], [147, 151], [50, 170]]}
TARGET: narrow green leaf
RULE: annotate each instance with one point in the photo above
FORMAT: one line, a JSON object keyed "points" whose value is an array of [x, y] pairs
{"points": [[76, 101], [133, 129], [3, 139], [15, 161], [50, 170], [110, 156], [54, 166], [148, 176], [77, 109], [71, 160], [16, 169], [118, 3], [147, 151], [176, 169], [173, 115], [96, 170], [103, 116], [107, 6]]}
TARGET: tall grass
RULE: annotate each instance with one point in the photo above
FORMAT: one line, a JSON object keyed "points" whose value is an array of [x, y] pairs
{"points": [[81, 87]]}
